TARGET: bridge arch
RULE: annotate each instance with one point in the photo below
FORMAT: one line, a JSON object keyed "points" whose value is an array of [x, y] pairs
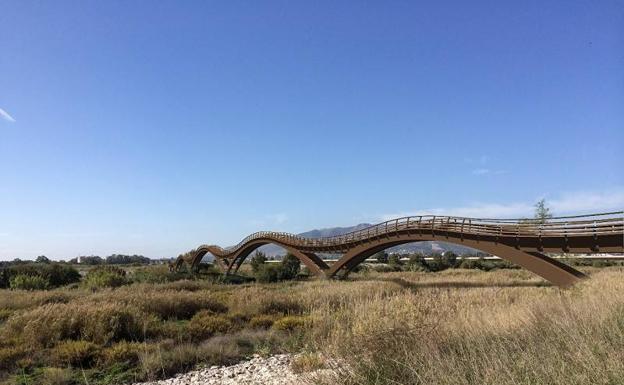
{"points": [[519, 241], [231, 262], [313, 262], [546, 267]]}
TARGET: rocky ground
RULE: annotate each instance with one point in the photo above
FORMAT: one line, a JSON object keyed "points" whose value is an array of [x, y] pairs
{"points": [[273, 370]]}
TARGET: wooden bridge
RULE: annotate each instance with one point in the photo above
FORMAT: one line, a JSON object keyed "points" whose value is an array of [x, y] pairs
{"points": [[524, 242]]}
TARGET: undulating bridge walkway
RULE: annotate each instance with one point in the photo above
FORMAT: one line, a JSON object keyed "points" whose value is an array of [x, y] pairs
{"points": [[520, 241]]}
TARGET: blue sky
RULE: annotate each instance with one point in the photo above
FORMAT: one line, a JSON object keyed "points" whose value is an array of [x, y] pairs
{"points": [[151, 127]]}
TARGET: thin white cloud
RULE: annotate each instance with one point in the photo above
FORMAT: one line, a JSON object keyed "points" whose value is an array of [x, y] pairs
{"points": [[487, 171], [588, 201], [5, 115], [482, 160], [481, 171], [566, 204], [481, 168]]}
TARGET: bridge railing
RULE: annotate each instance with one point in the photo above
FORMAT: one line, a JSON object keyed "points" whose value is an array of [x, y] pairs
{"points": [[595, 224]]}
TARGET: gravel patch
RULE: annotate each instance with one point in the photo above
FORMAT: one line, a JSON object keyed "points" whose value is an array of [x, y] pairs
{"points": [[273, 370]]}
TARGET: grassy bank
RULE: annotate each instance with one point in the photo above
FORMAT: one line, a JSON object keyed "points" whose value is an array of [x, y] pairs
{"points": [[451, 327]]}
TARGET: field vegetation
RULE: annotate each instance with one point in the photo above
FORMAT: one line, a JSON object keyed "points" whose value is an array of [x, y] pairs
{"points": [[416, 325]]}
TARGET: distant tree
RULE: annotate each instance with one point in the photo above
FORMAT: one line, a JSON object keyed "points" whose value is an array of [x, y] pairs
{"points": [[90, 260], [268, 272], [442, 261], [417, 263], [121, 259], [290, 266], [42, 259], [449, 259], [542, 212], [381, 257], [257, 260], [394, 260]]}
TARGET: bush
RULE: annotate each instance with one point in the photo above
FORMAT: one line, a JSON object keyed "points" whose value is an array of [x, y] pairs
{"points": [[480, 264], [417, 263], [307, 362], [205, 324], [261, 321], [290, 323], [101, 323], [124, 352], [290, 267], [287, 269], [28, 282], [157, 274], [384, 268], [381, 257], [169, 304], [268, 273], [75, 353], [56, 274], [169, 360], [257, 260], [105, 276], [5, 314], [395, 260]]}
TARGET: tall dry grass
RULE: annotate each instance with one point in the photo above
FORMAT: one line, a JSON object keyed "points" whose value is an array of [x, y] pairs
{"points": [[484, 328], [452, 327]]}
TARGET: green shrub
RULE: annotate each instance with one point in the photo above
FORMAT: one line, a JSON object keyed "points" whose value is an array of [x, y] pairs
{"points": [[290, 323], [417, 262], [287, 269], [205, 324], [169, 304], [156, 274], [75, 353], [381, 257], [100, 323], [268, 273], [480, 264], [394, 260], [442, 261], [384, 268], [56, 274], [257, 260], [28, 282], [105, 276], [262, 321], [124, 352], [290, 267], [5, 314]]}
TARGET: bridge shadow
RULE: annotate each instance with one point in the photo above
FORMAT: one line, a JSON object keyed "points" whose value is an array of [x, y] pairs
{"points": [[461, 284]]}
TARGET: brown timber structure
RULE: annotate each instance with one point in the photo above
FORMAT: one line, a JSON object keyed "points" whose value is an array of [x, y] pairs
{"points": [[520, 241]]}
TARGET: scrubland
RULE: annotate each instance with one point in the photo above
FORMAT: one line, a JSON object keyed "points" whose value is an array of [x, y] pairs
{"points": [[451, 327]]}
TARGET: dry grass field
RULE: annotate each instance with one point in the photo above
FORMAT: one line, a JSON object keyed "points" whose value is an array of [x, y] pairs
{"points": [[452, 327]]}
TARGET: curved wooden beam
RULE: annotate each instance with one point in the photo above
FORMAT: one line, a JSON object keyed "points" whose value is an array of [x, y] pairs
{"points": [[548, 268], [522, 242]]}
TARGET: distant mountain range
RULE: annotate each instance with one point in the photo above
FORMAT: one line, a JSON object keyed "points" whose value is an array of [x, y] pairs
{"points": [[408, 248]]}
